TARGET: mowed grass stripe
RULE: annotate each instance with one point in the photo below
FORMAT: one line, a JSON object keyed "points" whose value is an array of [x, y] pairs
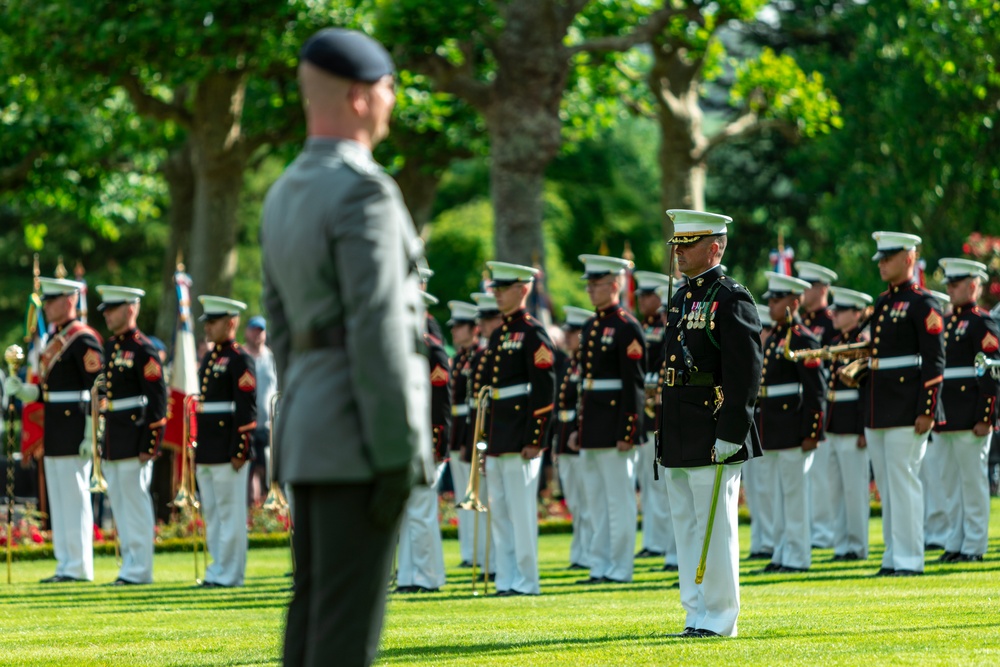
{"points": [[837, 614]]}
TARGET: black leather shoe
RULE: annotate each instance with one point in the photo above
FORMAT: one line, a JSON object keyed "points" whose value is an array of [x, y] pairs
{"points": [[885, 572], [906, 573], [503, 594], [687, 632], [772, 567], [577, 566], [123, 582], [591, 580], [850, 555], [760, 555], [59, 579], [969, 558], [485, 577], [413, 589], [465, 563], [669, 568], [933, 546], [646, 553], [208, 584], [705, 633], [949, 557], [792, 570]]}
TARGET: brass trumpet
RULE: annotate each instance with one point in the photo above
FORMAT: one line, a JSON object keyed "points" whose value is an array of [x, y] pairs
{"points": [[984, 364], [853, 373], [275, 500], [97, 482], [830, 352], [473, 499]]}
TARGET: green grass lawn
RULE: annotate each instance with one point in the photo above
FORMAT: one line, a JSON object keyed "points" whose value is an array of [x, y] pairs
{"points": [[837, 614]]}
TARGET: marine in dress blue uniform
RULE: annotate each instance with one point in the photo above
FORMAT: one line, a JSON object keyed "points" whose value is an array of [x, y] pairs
{"points": [[792, 402], [520, 365], [710, 385], [906, 369], [612, 402], [845, 433], [69, 365], [227, 416], [135, 412], [757, 475], [969, 401]]}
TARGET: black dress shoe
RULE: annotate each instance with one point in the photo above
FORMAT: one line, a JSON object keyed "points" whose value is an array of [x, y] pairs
{"points": [[59, 579], [609, 580], [885, 572], [687, 632], [705, 633], [772, 567], [465, 563], [208, 584], [591, 580], [414, 589], [669, 568], [577, 566], [486, 577], [933, 546], [760, 555], [850, 555], [502, 594], [123, 582], [969, 558], [792, 570], [906, 573], [949, 557], [647, 553]]}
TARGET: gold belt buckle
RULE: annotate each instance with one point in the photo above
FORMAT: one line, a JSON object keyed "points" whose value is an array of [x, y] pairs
{"points": [[670, 377]]}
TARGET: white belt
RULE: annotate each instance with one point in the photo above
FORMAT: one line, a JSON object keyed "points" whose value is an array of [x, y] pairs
{"points": [[511, 391], [843, 395], [567, 416], [217, 407], [960, 372], [888, 363], [129, 403], [781, 390], [601, 385], [66, 396], [459, 410]]}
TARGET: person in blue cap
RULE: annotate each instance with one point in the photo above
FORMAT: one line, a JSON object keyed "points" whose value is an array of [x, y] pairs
{"points": [[341, 292]]}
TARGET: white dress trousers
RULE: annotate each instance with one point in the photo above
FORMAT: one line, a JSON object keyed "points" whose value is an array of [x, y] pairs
{"points": [[942, 506], [223, 494], [421, 556], [896, 455], [657, 529], [849, 468], [571, 479], [791, 509], [967, 454], [513, 494], [67, 479], [823, 498], [758, 480], [609, 486], [714, 604], [132, 507]]}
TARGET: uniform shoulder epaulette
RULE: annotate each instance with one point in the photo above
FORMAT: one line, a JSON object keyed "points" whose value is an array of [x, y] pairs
{"points": [[979, 310], [87, 330], [885, 293]]}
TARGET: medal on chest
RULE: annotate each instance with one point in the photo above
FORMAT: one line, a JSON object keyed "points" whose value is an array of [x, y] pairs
{"points": [[512, 341], [607, 336], [123, 359], [221, 365], [899, 310], [962, 328]]}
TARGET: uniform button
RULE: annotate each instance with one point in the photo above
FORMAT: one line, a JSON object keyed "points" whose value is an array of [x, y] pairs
{"points": [[604, 348], [874, 350], [678, 339], [110, 394], [590, 344], [117, 346], [504, 328], [537, 432], [45, 386], [946, 335], [706, 402], [589, 365], [67, 413], [496, 369], [108, 385], [881, 318], [614, 402], [673, 357], [876, 339], [902, 379], [517, 407], [783, 407], [495, 380], [478, 376], [133, 417], [222, 423], [688, 295], [963, 389]]}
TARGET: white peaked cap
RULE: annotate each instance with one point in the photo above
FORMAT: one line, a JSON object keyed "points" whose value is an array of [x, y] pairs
{"points": [[576, 317], [888, 243], [815, 273], [848, 298], [778, 284], [59, 286], [218, 306], [957, 268], [690, 226], [649, 281]]}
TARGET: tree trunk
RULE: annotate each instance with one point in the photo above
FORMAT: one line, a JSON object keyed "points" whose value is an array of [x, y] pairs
{"points": [[219, 161], [419, 184], [674, 80], [179, 174], [524, 124]]}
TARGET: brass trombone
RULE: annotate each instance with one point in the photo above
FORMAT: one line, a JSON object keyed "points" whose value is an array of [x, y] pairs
{"points": [[984, 364], [473, 499], [97, 482], [186, 499]]}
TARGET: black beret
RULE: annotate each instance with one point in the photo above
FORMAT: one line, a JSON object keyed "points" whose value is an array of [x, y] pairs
{"points": [[349, 54]]}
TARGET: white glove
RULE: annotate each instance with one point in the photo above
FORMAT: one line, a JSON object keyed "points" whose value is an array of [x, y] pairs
{"points": [[723, 451], [26, 392], [87, 444]]}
